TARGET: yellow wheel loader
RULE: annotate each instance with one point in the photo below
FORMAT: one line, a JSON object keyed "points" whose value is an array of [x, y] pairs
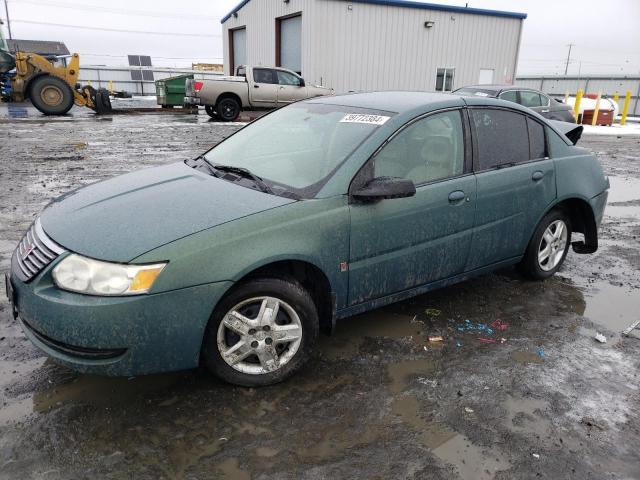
{"points": [[52, 89]]}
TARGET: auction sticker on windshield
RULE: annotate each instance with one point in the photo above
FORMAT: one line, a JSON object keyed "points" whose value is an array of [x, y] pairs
{"points": [[364, 118]]}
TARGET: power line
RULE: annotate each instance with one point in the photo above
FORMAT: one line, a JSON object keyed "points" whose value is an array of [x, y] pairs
{"points": [[120, 30], [117, 11]]}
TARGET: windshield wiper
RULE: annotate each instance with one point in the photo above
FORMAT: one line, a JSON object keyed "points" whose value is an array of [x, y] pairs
{"points": [[242, 172]]}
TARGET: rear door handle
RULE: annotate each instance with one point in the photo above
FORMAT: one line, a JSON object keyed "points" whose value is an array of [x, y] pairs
{"points": [[456, 196], [256, 86], [537, 176], [545, 110]]}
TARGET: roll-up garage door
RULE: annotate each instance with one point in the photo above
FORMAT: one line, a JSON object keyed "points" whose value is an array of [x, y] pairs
{"points": [[239, 48], [291, 43]]}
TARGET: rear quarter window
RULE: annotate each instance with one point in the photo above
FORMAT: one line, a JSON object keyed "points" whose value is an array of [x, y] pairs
{"points": [[537, 144], [502, 137]]}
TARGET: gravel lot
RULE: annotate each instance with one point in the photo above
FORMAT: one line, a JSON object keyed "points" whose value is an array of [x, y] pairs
{"points": [[378, 400]]}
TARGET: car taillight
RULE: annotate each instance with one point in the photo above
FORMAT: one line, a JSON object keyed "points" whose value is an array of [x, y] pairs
{"points": [[197, 86]]}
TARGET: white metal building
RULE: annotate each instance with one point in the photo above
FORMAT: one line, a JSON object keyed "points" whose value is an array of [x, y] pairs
{"points": [[375, 44]]}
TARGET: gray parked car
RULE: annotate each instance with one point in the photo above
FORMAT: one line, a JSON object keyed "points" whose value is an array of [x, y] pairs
{"points": [[534, 99]]}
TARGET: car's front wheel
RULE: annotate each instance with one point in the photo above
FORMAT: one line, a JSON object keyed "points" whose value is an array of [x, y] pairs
{"points": [[548, 247], [261, 333]]}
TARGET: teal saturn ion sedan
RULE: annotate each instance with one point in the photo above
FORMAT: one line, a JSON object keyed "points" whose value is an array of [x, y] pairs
{"points": [[317, 211]]}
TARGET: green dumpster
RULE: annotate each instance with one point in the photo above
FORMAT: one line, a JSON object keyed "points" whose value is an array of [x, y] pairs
{"points": [[170, 91]]}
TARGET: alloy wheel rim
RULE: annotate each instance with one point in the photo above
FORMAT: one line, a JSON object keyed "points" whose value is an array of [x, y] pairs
{"points": [[259, 335], [51, 95], [552, 245]]}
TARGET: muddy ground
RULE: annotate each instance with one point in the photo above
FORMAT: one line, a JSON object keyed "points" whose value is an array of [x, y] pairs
{"points": [[378, 401]]}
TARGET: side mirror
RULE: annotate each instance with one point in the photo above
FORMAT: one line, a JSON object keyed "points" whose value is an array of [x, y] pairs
{"points": [[385, 187], [302, 84]]}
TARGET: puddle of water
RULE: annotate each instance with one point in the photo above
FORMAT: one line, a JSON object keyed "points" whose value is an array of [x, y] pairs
{"points": [[432, 434], [103, 391], [400, 372], [527, 357], [266, 452], [337, 439], [351, 332], [615, 308], [472, 462], [230, 469], [523, 416], [624, 189]]}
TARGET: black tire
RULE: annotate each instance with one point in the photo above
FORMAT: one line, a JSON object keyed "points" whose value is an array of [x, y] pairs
{"points": [[102, 101], [291, 295], [228, 109], [531, 266], [51, 95], [106, 99], [211, 111]]}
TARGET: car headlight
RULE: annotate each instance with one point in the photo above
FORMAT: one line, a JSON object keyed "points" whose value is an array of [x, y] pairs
{"points": [[93, 277]]}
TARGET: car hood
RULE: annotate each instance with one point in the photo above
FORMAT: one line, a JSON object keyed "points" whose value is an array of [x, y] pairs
{"points": [[122, 218]]}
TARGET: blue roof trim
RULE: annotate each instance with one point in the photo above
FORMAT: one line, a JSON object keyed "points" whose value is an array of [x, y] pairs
{"points": [[419, 5], [235, 9]]}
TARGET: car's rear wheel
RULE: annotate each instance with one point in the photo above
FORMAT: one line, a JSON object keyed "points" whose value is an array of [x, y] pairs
{"points": [[211, 111], [548, 247], [261, 333], [228, 109]]}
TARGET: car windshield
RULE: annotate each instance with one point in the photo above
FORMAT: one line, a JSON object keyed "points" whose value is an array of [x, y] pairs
{"points": [[297, 148], [477, 92]]}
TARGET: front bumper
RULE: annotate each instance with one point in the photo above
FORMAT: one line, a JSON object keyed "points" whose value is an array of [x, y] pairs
{"points": [[120, 336]]}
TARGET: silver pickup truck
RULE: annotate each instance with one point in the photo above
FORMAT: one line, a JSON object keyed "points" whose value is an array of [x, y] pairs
{"points": [[251, 88]]}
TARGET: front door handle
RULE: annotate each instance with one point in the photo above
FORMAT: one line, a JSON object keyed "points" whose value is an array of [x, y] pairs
{"points": [[537, 176], [256, 86], [456, 196], [545, 110]]}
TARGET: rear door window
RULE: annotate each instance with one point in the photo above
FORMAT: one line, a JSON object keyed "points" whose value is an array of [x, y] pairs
{"points": [[510, 96], [537, 144], [502, 138], [530, 99], [264, 75]]}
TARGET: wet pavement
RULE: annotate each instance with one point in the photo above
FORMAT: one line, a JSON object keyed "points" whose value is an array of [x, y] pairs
{"points": [[518, 388]]}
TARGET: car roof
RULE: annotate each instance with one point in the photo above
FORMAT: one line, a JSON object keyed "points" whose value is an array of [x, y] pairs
{"points": [[392, 101], [406, 103]]}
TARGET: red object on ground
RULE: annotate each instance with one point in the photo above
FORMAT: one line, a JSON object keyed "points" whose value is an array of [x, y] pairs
{"points": [[486, 340], [605, 117], [499, 325]]}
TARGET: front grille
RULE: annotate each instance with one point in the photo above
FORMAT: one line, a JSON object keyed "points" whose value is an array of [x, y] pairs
{"points": [[35, 251]]}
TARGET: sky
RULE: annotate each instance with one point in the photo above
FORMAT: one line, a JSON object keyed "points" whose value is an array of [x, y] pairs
{"points": [[177, 33]]}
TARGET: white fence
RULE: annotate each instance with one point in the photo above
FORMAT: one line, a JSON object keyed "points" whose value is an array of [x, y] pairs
{"points": [[99, 76], [558, 86]]}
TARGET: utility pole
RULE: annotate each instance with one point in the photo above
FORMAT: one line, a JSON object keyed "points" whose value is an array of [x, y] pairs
{"points": [[6, 9], [566, 67]]}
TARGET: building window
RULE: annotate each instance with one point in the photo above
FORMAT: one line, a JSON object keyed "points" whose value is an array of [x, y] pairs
{"points": [[444, 79], [289, 42]]}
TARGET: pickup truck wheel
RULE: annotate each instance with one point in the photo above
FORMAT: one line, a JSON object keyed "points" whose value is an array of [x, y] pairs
{"points": [[261, 332], [211, 111], [228, 109], [548, 247], [51, 95]]}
